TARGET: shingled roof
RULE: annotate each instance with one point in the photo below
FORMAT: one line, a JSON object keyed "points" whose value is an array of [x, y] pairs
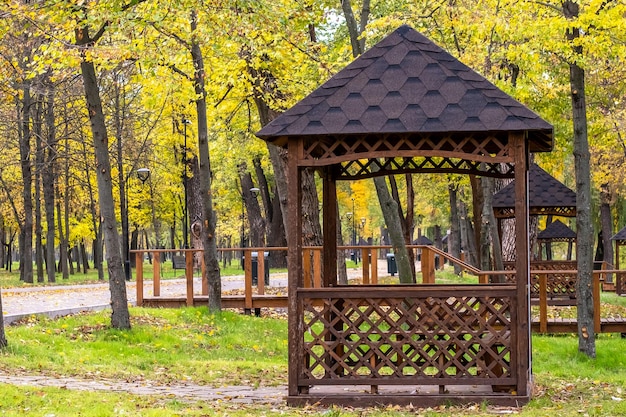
{"points": [[546, 195], [620, 236], [406, 83], [556, 231]]}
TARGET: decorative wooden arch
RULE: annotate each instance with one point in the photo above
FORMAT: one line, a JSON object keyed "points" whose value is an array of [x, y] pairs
{"points": [[406, 105]]}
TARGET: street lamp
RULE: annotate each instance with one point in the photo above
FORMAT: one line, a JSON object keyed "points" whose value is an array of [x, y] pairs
{"points": [[143, 174], [185, 212]]}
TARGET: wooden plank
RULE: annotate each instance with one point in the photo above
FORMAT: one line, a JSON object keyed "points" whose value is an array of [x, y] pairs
{"points": [[317, 268], [543, 303], [306, 266], [189, 276], [139, 272], [247, 267], [365, 265], [374, 253], [156, 278]]}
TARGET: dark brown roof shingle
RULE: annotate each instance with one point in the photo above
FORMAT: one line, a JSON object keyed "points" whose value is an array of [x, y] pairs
{"points": [[408, 84], [556, 231], [544, 192]]}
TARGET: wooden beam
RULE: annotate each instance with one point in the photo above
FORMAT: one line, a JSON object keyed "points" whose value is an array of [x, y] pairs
{"points": [[517, 143]]}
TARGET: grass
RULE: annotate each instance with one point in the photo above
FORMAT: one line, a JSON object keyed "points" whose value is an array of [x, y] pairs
{"points": [[189, 345]]}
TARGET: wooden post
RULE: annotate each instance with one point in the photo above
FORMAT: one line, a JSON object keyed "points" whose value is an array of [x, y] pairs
{"points": [[428, 266], [365, 265], [189, 276], [521, 343], [205, 277], [139, 272], [329, 224], [260, 270], [317, 267], [156, 276], [247, 268], [543, 303], [306, 265], [374, 258], [597, 322]]}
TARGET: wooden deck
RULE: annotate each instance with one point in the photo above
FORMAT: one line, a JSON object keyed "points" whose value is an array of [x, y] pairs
{"points": [[238, 302], [255, 299]]}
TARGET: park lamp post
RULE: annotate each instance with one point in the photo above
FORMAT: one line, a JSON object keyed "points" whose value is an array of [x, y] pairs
{"points": [[143, 174]]}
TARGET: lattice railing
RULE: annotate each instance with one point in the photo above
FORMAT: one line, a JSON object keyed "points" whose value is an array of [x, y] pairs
{"points": [[559, 283], [422, 335]]}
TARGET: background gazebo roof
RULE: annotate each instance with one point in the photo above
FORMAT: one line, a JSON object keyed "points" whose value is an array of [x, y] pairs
{"points": [[407, 84], [556, 231], [621, 235], [546, 195], [422, 240]]}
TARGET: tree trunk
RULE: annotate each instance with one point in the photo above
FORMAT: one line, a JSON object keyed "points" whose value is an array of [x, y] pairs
{"points": [[120, 316], [212, 266], [26, 226], [584, 226], [390, 213], [454, 239], [38, 133], [49, 180]]}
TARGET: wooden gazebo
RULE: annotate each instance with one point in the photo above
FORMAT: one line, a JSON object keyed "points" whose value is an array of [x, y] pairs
{"points": [[406, 106], [546, 196], [556, 231], [620, 281]]}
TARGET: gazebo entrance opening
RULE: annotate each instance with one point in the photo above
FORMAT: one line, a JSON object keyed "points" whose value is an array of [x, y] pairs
{"points": [[406, 106]]}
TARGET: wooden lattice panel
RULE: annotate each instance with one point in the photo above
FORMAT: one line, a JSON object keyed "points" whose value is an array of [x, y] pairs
{"points": [[482, 145], [423, 335], [357, 169], [559, 284]]}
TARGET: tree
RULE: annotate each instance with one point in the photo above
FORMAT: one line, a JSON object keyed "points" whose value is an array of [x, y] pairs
{"points": [[584, 226], [120, 317], [390, 207]]}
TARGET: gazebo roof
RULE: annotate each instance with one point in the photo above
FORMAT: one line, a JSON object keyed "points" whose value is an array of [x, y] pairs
{"points": [[621, 235], [422, 240], [556, 231], [407, 84], [546, 195]]}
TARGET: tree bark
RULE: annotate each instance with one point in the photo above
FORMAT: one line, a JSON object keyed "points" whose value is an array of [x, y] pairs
{"points": [[584, 226], [120, 316], [454, 240], [211, 263], [26, 226], [48, 175]]}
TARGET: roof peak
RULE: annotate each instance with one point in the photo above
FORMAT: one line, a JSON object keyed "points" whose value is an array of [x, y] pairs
{"points": [[408, 84]]}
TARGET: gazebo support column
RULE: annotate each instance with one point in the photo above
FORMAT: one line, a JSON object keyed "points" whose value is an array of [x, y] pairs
{"points": [[329, 270], [294, 265], [522, 262]]}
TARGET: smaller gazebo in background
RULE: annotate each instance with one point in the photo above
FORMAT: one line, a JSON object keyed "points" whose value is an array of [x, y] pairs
{"points": [[556, 231], [620, 240], [546, 196]]}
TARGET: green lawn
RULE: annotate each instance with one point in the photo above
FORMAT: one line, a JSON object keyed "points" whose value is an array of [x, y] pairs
{"points": [[168, 346]]}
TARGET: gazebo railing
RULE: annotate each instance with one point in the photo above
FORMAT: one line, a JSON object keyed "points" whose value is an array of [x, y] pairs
{"points": [[402, 335]]}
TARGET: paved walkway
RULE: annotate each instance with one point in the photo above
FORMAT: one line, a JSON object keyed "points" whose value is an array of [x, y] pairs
{"points": [[236, 393], [54, 301]]}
